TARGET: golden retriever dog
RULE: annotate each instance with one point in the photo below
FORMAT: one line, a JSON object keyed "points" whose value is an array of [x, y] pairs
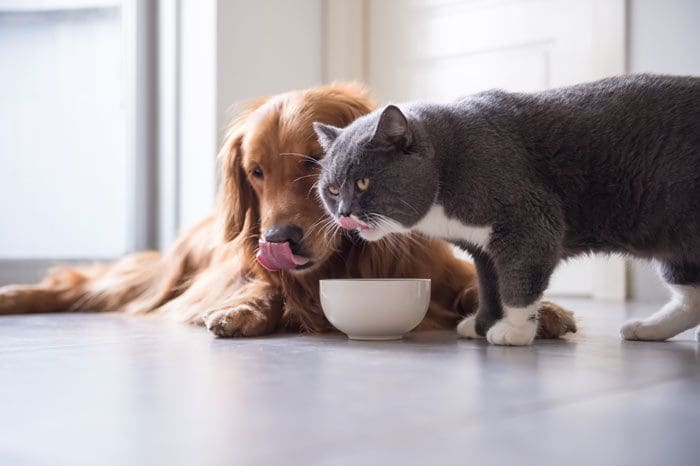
{"points": [[253, 267]]}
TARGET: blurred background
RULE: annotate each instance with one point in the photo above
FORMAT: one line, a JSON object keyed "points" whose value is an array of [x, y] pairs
{"points": [[112, 110]]}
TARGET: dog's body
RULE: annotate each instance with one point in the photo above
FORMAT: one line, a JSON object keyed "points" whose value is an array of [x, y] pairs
{"points": [[210, 275]]}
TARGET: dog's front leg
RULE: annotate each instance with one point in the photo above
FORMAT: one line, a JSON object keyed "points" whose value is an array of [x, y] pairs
{"points": [[255, 311]]}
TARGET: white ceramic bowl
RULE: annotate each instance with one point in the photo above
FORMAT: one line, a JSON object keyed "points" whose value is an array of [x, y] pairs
{"points": [[375, 309]]}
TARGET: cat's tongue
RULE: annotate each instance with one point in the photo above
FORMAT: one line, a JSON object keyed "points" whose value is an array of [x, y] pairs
{"points": [[278, 256], [350, 223]]}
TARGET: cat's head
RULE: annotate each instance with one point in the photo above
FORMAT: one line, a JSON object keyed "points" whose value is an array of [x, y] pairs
{"points": [[379, 174]]}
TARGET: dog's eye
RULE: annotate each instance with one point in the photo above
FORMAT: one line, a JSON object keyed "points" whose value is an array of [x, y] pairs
{"points": [[257, 172], [310, 163], [362, 184], [333, 190]]}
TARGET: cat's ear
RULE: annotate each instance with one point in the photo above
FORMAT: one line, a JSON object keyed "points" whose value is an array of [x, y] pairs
{"points": [[326, 135], [393, 128]]}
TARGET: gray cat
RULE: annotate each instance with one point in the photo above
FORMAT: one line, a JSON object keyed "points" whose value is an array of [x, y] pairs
{"points": [[522, 181]]}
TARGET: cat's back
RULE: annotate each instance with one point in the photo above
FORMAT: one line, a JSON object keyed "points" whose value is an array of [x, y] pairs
{"points": [[642, 85], [621, 97], [625, 97], [624, 155], [613, 120]]}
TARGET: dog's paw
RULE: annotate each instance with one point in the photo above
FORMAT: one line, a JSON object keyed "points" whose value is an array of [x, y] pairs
{"points": [[640, 330], [505, 332], [243, 320], [467, 327]]}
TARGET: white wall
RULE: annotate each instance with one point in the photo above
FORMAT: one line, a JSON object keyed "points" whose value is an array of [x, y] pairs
{"points": [[664, 37], [266, 47]]}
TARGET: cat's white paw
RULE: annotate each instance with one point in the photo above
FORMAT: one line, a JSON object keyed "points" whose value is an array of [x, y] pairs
{"points": [[628, 331], [467, 327], [639, 329], [505, 332], [681, 313], [697, 334]]}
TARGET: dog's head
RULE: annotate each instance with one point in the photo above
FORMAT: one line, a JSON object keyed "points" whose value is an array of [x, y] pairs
{"points": [[268, 165]]}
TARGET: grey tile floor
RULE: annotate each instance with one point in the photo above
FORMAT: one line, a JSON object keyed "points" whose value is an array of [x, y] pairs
{"points": [[108, 389]]}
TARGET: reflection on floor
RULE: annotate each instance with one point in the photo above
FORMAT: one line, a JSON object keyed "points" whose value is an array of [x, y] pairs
{"points": [[108, 389]]}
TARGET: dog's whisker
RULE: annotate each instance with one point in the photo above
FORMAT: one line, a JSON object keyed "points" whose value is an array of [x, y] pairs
{"points": [[305, 176], [304, 156]]}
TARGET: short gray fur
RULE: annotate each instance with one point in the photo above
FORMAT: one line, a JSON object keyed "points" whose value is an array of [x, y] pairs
{"points": [[608, 166]]}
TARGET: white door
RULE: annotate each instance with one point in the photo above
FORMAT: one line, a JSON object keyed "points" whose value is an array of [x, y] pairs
{"points": [[441, 49]]}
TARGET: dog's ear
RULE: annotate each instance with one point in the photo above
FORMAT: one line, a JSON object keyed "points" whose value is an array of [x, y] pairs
{"points": [[237, 205], [236, 199]]}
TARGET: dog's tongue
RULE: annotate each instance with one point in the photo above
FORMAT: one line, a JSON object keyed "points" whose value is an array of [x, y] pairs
{"points": [[278, 256]]}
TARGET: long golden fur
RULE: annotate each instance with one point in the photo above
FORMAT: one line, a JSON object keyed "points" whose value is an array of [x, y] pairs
{"points": [[210, 275]]}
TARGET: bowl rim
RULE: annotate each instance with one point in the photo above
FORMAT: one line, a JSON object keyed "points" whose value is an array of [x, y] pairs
{"points": [[381, 280]]}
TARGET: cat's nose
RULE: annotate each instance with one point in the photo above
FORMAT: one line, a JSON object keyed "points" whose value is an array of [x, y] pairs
{"points": [[343, 209]]}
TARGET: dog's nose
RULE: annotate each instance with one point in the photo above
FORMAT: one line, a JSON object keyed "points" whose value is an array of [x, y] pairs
{"points": [[284, 233]]}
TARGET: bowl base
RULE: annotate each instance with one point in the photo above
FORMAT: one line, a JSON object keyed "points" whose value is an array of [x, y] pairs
{"points": [[375, 338]]}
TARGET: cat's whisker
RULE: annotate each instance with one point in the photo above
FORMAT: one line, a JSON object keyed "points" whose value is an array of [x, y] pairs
{"points": [[315, 225], [415, 244], [330, 229], [389, 242], [409, 205]]}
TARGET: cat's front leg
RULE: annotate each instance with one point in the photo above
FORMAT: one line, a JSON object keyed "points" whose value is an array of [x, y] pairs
{"points": [[489, 311], [523, 279]]}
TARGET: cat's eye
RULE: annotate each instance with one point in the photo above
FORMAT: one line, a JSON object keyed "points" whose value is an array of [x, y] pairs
{"points": [[257, 172], [362, 184], [333, 190]]}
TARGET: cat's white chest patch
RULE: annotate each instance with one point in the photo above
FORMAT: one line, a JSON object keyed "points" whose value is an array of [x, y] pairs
{"points": [[436, 223]]}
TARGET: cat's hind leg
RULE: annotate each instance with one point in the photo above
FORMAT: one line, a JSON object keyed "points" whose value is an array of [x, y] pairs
{"points": [[681, 313]]}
